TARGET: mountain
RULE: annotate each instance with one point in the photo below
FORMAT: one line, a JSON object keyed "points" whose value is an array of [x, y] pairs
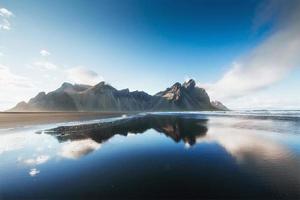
{"points": [[182, 97], [104, 97], [218, 105]]}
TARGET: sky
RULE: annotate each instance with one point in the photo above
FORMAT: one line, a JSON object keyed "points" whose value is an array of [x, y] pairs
{"points": [[246, 54]]}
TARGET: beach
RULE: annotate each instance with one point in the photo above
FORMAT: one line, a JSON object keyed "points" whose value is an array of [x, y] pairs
{"points": [[19, 119]]}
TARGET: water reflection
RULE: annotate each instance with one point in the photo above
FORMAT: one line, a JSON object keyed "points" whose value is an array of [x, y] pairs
{"points": [[37, 160], [33, 172], [229, 158], [261, 155], [78, 148], [178, 128]]}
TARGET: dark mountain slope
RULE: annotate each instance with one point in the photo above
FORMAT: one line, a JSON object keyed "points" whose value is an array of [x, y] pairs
{"points": [[182, 97], [103, 97]]}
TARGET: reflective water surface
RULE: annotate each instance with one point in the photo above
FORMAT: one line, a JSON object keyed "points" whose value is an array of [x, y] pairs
{"points": [[166, 155]]}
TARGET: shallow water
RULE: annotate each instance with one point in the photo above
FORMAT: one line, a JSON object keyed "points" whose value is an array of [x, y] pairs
{"points": [[167, 155]]}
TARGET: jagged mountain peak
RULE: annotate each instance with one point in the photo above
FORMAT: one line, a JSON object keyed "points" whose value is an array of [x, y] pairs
{"points": [[218, 105], [175, 92], [103, 86], [100, 84], [69, 87], [40, 94], [104, 97], [126, 91], [176, 85], [66, 84], [190, 84]]}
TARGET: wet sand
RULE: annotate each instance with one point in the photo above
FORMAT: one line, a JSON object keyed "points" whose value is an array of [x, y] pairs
{"points": [[16, 119]]}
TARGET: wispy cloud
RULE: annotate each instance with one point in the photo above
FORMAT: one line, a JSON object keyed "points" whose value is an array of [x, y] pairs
{"points": [[268, 63], [5, 25], [4, 16], [9, 79], [45, 65], [45, 52], [83, 75]]}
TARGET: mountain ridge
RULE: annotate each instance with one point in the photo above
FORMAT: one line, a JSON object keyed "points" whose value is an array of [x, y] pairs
{"points": [[104, 97]]}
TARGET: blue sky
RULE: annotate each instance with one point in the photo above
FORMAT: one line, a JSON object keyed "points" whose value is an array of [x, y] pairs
{"points": [[148, 45]]}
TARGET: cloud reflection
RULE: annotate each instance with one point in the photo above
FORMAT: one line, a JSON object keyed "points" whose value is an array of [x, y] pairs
{"points": [[38, 160], [253, 143], [260, 154], [11, 142], [78, 148], [33, 172]]}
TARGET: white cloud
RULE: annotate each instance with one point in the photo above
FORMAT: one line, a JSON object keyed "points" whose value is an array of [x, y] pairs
{"points": [[267, 64], [77, 149], [4, 15], [82, 75], [1, 54], [5, 25], [45, 65], [8, 79], [45, 53]]}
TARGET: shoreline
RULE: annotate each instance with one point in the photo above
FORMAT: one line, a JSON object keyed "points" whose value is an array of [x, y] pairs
{"points": [[17, 119]]}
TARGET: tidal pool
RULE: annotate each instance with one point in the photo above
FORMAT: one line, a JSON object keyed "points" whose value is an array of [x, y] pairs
{"points": [[155, 155]]}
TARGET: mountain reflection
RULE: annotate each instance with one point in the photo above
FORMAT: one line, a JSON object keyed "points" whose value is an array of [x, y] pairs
{"points": [[232, 157], [177, 127]]}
